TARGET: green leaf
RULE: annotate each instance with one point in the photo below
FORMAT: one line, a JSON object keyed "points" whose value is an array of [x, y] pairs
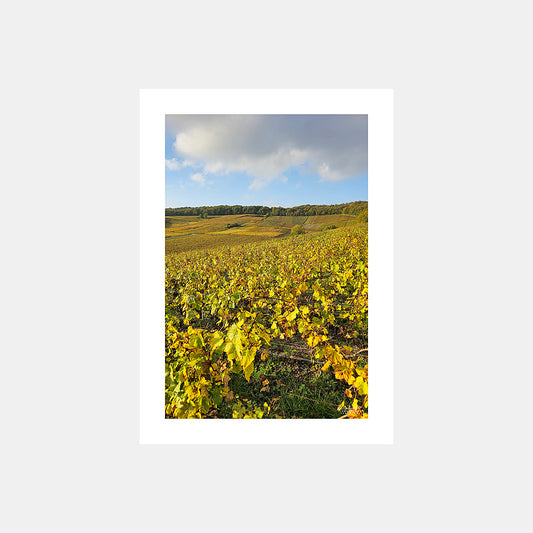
{"points": [[216, 395]]}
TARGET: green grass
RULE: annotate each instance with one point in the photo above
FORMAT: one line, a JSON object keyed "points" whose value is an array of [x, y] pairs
{"points": [[295, 389]]}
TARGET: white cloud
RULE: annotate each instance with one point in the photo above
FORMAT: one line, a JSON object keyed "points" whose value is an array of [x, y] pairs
{"points": [[334, 147], [174, 164], [198, 178], [257, 184], [214, 168]]}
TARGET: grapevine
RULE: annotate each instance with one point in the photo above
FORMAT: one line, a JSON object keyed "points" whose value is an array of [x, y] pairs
{"points": [[226, 308]]}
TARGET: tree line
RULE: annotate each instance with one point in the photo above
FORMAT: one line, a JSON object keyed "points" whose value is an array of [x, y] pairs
{"points": [[359, 208]]}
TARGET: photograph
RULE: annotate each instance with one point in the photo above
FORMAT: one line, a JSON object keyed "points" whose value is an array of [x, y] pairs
{"points": [[266, 266], [277, 244]]}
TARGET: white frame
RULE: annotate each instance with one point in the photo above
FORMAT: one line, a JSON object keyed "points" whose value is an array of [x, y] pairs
{"points": [[154, 105]]}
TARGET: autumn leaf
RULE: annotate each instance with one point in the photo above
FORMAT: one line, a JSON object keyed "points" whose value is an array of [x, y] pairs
{"points": [[292, 316], [248, 371]]}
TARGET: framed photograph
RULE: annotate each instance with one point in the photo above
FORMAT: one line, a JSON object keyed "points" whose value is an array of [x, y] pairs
{"points": [[266, 266]]}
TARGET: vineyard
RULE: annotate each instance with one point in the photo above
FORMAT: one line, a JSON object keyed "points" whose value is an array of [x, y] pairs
{"points": [[271, 329]]}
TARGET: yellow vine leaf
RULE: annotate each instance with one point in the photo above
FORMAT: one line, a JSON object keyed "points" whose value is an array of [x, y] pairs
{"points": [[248, 371], [292, 316]]}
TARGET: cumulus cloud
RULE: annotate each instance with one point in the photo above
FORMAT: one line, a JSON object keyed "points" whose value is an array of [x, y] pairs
{"points": [[334, 147], [198, 178], [258, 184], [174, 164]]}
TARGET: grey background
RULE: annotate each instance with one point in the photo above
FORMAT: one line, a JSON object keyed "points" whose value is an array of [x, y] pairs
{"points": [[69, 208]]}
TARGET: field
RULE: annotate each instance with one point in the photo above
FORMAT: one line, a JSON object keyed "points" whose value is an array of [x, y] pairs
{"points": [[185, 233], [264, 324]]}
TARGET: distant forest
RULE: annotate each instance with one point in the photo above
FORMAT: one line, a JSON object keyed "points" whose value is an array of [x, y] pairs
{"points": [[350, 208]]}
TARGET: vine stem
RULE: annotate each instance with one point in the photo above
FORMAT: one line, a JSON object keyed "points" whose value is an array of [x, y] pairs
{"points": [[356, 353]]}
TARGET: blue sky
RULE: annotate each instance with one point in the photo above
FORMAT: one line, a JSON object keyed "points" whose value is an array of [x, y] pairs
{"points": [[272, 160]]}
